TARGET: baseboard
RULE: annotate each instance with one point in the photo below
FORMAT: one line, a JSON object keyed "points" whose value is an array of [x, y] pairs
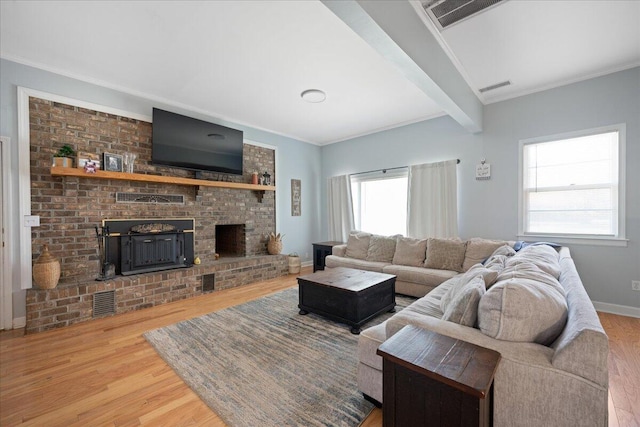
{"points": [[623, 310], [307, 264], [19, 322]]}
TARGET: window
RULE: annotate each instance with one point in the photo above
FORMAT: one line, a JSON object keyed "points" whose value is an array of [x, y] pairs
{"points": [[572, 186], [380, 201]]}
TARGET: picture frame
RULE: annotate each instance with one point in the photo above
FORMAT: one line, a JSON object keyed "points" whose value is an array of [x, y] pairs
{"points": [[83, 158], [296, 197], [112, 162]]}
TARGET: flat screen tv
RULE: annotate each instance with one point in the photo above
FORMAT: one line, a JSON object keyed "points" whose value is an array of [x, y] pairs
{"points": [[189, 143]]}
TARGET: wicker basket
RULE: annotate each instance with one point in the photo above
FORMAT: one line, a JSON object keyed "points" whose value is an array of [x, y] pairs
{"points": [[46, 270], [294, 264]]}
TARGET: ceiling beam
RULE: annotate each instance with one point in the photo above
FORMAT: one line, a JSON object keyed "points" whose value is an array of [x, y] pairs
{"points": [[395, 31]]}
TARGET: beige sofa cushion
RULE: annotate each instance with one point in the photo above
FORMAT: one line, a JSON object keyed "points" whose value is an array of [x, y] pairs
{"points": [[420, 275], [381, 248], [410, 252], [489, 277], [463, 309], [525, 305], [333, 261], [358, 245], [445, 254], [478, 250], [543, 256]]}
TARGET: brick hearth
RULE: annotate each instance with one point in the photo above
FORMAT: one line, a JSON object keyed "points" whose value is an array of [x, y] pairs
{"points": [[70, 208]]}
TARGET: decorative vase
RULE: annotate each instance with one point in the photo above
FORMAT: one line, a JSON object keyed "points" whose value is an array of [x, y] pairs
{"points": [[254, 178], [46, 270]]}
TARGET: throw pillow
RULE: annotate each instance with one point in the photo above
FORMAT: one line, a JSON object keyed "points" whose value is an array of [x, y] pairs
{"points": [[410, 252], [381, 248], [445, 254], [478, 250], [464, 307], [358, 245], [488, 276], [527, 306]]}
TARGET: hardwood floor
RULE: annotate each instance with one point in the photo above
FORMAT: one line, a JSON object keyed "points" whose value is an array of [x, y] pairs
{"points": [[104, 373]]}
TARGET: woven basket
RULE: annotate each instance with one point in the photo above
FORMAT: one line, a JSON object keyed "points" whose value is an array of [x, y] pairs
{"points": [[294, 264], [274, 247], [46, 270]]}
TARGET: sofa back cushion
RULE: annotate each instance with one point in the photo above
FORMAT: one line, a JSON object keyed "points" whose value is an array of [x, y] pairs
{"points": [[458, 283], [543, 256], [410, 251], [381, 248], [478, 250], [526, 305], [358, 245], [445, 254]]}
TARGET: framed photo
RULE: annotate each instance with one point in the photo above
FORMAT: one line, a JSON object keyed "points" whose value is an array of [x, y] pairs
{"points": [[111, 162], [83, 158]]}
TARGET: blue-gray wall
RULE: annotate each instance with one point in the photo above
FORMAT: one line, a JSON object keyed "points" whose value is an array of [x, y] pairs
{"points": [[295, 159], [490, 208]]}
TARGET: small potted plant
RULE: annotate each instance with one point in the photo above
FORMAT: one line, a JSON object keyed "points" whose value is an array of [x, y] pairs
{"points": [[64, 157]]}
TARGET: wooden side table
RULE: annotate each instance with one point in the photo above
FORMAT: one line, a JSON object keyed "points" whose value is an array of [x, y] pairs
{"points": [[432, 379], [320, 252]]}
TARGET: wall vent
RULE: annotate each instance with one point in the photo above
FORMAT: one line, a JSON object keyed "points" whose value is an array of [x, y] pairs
{"points": [[495, 86], [445, 13], [172, 199], [104, 303]]}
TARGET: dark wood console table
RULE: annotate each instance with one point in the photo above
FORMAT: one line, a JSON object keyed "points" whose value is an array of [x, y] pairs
{"points": [[432, 379], [320, 252]]}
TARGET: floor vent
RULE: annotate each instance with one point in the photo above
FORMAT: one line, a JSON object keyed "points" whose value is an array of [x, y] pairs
{"points": [[171, 199], [208, 282], [104, 303]]}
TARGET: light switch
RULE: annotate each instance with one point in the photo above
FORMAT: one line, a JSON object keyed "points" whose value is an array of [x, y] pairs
{"points": [[32, 220]]}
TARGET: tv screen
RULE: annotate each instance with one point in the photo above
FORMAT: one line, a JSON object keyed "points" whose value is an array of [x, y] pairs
{"points": [[190, 143]]}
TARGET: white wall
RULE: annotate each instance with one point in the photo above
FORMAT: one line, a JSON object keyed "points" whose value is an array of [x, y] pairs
{"points": [[295, 159], [490, 208]]}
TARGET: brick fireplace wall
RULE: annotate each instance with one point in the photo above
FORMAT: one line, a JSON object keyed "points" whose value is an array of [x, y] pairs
{"points": [[70, 208]]}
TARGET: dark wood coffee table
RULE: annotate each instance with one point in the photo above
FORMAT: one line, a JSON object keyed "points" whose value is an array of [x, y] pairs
{"points": [[347, 295]]}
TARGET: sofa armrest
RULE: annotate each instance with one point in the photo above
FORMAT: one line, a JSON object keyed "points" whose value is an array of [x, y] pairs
{"points": [[339, 250]]}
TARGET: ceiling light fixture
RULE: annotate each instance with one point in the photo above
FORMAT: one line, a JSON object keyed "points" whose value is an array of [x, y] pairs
{"points": [[313, 95]]}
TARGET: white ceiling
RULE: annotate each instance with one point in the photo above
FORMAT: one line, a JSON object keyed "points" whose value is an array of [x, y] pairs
{"points": [[248, 61]]}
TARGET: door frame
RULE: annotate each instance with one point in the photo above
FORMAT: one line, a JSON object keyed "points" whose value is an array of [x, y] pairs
{"points": [[6, 282]]}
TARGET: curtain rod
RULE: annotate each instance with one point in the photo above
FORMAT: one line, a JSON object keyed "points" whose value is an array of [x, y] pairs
{"points": [[389, 169]]}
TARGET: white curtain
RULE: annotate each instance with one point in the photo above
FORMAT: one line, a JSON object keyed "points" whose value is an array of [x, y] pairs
{"points": [[432, 203], [340, 208]]}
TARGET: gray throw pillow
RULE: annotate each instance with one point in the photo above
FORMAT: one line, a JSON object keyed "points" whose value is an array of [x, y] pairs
{"points": [[489, 277], [463, 309]]}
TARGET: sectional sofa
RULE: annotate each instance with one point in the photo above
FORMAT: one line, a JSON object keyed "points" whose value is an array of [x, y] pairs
{"points": [[529, 305]]}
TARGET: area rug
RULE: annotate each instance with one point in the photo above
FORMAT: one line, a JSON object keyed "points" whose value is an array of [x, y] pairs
{"points": [[263, 364]]}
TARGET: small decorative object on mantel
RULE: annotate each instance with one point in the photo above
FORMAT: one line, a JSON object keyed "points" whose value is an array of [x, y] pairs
{"points": [[90, 166], [266, 178], [46, 270], [274, 245], [294, 263], [64, 157], [197, 261], [129, 161], [254, 178]]}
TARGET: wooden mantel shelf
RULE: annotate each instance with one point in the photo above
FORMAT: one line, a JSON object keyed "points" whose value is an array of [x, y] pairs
{"points": [[60, 171]]}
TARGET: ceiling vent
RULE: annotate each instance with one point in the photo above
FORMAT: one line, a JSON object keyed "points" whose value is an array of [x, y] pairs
{"points": [[495, 86], [447, 12]]}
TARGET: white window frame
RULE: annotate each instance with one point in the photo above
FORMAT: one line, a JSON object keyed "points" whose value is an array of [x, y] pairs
{"points": [[359, 178], [619, 239]]}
